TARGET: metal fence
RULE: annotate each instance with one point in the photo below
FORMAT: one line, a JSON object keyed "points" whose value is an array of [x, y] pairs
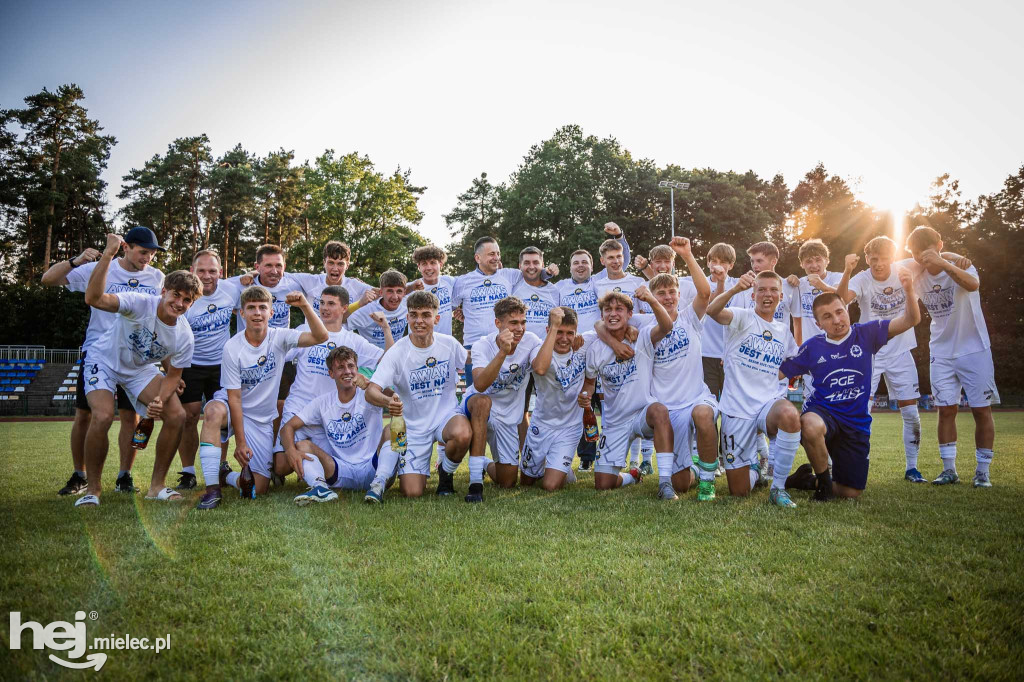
{"points": [[65, 356]]}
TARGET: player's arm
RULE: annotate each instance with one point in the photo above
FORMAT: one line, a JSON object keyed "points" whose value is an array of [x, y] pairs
{"points": [[583, 400], [485, 376], [963, 278], [317, 331], [683, 249], [295, 456], [911, 316], [242, 452], [660, 314], [843, 288], [717, 310], [57, 274], [94, 294], [616, 233], [375, 396], [643, 266], [623, 351], [798, 330], [818, 283], [381, 321], [542, 362]]}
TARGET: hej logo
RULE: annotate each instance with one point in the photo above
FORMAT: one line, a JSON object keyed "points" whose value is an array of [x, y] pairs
{"points": [[59, 636]]}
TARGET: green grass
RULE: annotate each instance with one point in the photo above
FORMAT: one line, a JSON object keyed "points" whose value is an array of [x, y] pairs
{"points": [[911, 582]]}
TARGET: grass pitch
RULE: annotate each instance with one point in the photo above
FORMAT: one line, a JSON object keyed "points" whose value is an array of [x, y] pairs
{"points": [[913, 581]]}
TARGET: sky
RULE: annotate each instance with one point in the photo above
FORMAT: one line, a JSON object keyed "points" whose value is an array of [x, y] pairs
{"points": [[887, 94]]}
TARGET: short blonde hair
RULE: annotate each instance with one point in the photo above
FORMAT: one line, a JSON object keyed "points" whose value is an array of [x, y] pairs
{"points": [[883, 246], [812, 248], [722, 252], [612, 296]]}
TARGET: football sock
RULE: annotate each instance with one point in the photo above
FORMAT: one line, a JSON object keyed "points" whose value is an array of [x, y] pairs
{"points": [[634, 452], [754, 476], [647, 450], [947, 451], [387, 460], [771, 449], [232, 479], [477, 464], [189, 470], [570, 476], [984, 457], [209, 461], [911, 434], [762, 447], [706, 471], [448, 466], [313, 473], [786, 444], [665, 467], [122, 472], [440, 451], [80, 473], [627, 479]]}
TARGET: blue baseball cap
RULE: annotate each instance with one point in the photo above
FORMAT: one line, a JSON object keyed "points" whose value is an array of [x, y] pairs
{"points": [[144, 237]]}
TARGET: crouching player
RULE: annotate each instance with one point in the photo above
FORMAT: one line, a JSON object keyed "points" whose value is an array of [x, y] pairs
{"points": [[246, 404], [837, 420], [629, 409], [559, 366], [494, 401], [422, 368], [344, 433], [755, 345], [147, 330]]}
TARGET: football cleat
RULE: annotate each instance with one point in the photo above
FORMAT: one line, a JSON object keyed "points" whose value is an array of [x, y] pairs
{"points": [[645, 468], [780, 498], [476, 492], [318, 494], [375, 495], [125, 484], [88, 501], [277, 480], [246, 484], [76, 485], [585, 464], [947, 477], [636, 474], [705, 491], [186, 481], [914, 476], [667, 492], [210, 499], [803, 478], [823, 489], [222, 474], [981, 480], [445, 482]]}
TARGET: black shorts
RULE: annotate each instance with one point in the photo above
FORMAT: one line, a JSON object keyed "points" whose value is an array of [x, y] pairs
{"points": [[714, 375], [201, 382], [287, 377], [123, 402], [529, 392], [849, 448]]}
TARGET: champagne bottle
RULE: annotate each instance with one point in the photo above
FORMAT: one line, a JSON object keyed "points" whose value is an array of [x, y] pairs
{"points": [[399, 442], [589, 424], [140, 439]]}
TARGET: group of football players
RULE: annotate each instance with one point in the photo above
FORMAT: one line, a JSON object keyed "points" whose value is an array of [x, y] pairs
{"points": [[691, 372]]}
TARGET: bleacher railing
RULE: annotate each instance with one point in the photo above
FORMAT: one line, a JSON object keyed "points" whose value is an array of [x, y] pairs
{"points": [[64, 356]]}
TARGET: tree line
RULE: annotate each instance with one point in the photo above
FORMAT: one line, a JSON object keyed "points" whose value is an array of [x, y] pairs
{"points": [[54, 205]]}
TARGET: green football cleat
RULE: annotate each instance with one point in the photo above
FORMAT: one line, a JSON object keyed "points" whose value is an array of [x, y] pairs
{"points": [[947, 477], [981, 480], [705, 491], [780, 498], [646, 469]]}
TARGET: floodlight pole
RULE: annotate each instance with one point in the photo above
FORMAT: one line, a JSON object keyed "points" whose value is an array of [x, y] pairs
{"points": [[672, 186]]}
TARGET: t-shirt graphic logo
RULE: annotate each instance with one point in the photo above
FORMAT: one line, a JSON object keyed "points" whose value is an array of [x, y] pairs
{"points": [[936, 288], [617, 290], [331, 345], [514, 367], [856, 351], [815, 292], [534, 298], [262, 360], [887, 291], [487, 282], [578, 291], [431, 362], [767, 335], [212, 308], [133, 283], [145, 346], [346, 417]]}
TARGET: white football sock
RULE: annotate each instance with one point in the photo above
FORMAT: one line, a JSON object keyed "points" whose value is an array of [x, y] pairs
{"points": [[911, 434], [477, 464], [984, 457], [313, 473], [627, 479], [387, 460], [753, 478], [188, 470], [448, 466], [209, 460], [232, 478], [647, 449], [771, 449], [786, 444], [947, 452], [570, 476], [665, 464], [634, 453], [762, 446]]}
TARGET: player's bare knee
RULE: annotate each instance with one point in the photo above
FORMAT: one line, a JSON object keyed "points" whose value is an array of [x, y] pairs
{"points": [[658, 413], [550, 486], [789, 419], [811, 425]]}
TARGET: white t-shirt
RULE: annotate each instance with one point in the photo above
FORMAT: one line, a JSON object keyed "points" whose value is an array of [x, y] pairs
{"points": [[256, 370], [788, 307], [313, 286], [754, 349], [687, 292], [443, 290], [210, 320], [424, 379], [558, 388], [807, 295], [582, 298], [281, 316], [678, 379], [627, 285], [958, 326], [138, 337], [713, 339], [626, 384], [508, 388], [539, 302], [359, 321], [149, 280], [883, 300], [477, 293], [311, 370], [352, 429]]}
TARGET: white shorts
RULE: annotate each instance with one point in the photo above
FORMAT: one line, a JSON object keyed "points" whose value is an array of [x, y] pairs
{"points": [[973, 372], [613, 447], [900, 373], [259, 437], [548, 448], [303, 433], [684, 432], [99, 376], [353, 477], [738, 437], [420, 448], [503, 440]]}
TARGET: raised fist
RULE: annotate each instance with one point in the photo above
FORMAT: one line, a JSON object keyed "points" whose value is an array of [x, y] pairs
{"points": [[295, 298], [552, 269], [640, 263], [906, 279], [504, 341], [746, 281], [851, 261], [378, 317], [114, 242], [613, 230], [555, 316], [681, 245], [644, 294], [815, 281]]}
